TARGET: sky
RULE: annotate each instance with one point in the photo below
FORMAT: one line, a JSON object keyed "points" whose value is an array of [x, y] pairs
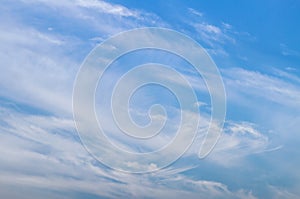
{"points": [[254, 44]]}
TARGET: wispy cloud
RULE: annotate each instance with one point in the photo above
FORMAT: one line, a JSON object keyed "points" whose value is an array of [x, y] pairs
{"points": [[286, 51], [36, 60], [211, 34], [195, 12], [97, 5], [45, 144], [257, 84], [43, 154], [91, 10], [45, 56], [237, 142], [103, 6], [283, 193]]}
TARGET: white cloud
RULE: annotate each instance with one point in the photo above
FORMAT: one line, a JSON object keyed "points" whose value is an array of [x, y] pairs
{"points": [[211, 34], [45, 62], [98, 5], [98, 13], [37, 70], [45, 145], [237, 142], [226, 26], [282, 193], [30, 62], [286, 51], [107, 7], [289, 75], [195, 12], [255, 84]]}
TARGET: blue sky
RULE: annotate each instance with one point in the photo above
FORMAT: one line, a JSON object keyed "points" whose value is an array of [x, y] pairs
{"points": [[255, 45]]}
